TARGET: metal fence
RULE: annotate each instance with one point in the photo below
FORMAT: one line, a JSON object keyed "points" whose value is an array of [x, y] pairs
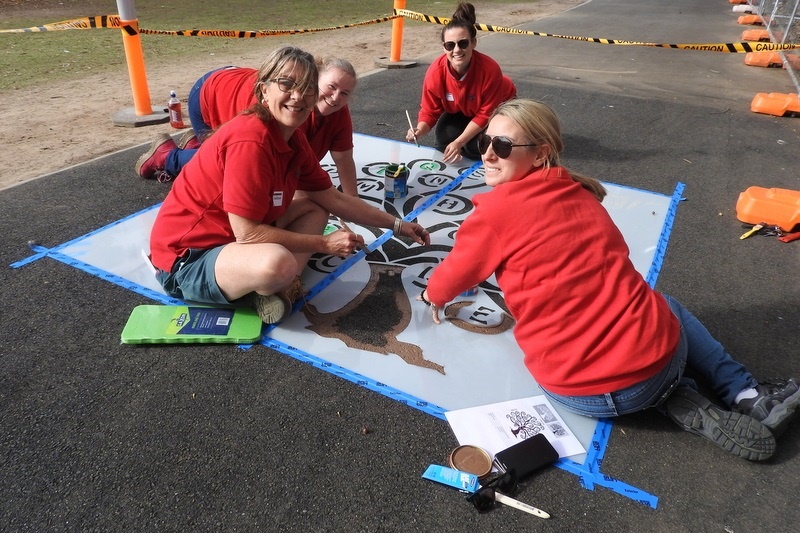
{"points": [[781, 19]]}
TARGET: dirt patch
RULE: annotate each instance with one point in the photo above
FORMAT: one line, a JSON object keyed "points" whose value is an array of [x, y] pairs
{"points": [[49, 128]]}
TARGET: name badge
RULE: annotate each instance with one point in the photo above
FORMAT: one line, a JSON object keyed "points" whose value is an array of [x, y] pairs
{"points": [[277, 198]]}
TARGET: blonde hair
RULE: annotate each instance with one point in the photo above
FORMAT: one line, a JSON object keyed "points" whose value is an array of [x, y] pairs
{"points": [[338, 63], [540, 125]]}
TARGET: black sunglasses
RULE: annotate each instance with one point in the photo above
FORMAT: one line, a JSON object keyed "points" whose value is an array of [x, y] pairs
{"points": [[501, 145], [288, 85], [451, 45], [483, 498]]}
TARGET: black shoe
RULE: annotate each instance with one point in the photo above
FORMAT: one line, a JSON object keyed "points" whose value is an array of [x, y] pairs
{"points": [[775, 404], [734, 432]]}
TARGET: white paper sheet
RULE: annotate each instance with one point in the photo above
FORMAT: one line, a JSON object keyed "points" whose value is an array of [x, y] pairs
{"points": [[495, 427]]}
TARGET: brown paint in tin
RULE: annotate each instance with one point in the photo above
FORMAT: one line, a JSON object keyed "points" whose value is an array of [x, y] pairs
{"points": [[471, 459]]}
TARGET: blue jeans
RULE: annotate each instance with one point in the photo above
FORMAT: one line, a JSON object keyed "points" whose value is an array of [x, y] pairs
{"points": [[195, 113], [177, 158], [697, 350]]}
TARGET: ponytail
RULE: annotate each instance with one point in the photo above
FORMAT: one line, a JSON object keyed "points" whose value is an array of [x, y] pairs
{"points": [[590, 184]]}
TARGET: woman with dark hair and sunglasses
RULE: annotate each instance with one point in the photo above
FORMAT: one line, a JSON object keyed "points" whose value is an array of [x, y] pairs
{"points": [[460, 91], [223, 93], [596, 337], [231, 228]]}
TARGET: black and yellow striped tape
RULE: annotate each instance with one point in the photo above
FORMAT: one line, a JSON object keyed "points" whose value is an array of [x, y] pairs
{"points": [[734, 48], [113, 21], [83, 23]]}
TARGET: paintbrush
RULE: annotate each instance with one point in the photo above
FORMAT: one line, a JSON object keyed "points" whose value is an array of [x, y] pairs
{"points": [[410, 125]]}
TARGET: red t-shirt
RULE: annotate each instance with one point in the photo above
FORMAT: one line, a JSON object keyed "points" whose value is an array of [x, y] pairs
{"points": [[245, 168], [334, 132], [226, 93], [587, 321], [477, 94]]}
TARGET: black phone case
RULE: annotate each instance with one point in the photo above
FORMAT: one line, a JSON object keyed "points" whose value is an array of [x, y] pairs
{"points": [[527, 456]]}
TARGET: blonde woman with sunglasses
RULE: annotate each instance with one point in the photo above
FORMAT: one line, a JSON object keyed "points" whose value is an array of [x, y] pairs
{"points": [[595, 336], [460, 91]]}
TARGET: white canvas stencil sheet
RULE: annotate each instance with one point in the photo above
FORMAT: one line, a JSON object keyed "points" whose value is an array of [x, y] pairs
{"points": [[477, 369]]}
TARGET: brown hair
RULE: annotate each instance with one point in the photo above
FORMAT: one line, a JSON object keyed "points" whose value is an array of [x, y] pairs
{"points": [[464, 17], [273, 65], [540, 124]]}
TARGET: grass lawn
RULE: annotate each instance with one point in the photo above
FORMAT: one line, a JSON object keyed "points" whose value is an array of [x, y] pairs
{"points": [[28, 59]]}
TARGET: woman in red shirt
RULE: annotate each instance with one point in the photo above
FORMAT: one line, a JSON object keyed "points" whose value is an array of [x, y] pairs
{"points": [[460, 91], [221, 94], [596, 337], [232, 227]]}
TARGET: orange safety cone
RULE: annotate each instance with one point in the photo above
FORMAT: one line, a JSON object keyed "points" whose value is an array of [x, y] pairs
{"points": [[761, 36], [753, 20], [763, 59], [776, 104]]}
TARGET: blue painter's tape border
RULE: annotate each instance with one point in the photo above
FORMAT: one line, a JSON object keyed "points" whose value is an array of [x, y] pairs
{"points": [[661, 249], [589, 473]]}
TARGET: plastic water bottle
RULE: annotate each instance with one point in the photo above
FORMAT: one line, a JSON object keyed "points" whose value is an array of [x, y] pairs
{"points": [[175, 115]]}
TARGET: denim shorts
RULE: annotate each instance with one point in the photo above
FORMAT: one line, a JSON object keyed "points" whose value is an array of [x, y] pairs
{"points": [[192, 277]]}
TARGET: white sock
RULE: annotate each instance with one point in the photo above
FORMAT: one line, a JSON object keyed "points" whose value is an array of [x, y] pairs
{"points": [[746, 394]]}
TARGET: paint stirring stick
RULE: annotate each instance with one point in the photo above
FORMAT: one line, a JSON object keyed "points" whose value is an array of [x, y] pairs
{"points": [[516, 504], [410, 125]]}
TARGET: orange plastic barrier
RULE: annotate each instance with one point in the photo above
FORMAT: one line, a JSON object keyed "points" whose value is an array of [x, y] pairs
{"points": [[761, 36], [763, 59], [753, 20], [776, 207], [776, 104]]}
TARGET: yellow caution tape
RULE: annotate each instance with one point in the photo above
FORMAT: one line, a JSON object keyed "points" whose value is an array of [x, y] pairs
{"points": [[113, 21], [734, 48], [84, 23]]}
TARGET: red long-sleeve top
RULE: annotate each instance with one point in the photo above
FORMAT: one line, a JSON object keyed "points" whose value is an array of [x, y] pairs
{"points": [[476, 94], [587, 321]]}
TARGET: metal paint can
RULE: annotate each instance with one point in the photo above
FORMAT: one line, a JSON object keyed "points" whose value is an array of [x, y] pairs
{"points": [[471, 459], [395, 177]]}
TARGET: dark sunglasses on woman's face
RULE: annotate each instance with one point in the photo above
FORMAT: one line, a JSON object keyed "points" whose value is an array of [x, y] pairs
{"points": [[451, 45], [501, 145]]}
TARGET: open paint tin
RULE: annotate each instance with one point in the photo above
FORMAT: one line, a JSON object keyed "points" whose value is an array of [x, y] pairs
{"points": [[471, 459]]}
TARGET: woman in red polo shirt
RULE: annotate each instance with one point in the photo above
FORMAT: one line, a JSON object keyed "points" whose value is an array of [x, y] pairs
{"points": [[232, 228], [221, 94]]}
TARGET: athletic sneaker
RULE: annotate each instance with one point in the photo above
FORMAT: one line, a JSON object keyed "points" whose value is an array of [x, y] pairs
{"points": [[734, 432], [188, 140], [775, 404], [274, 308], [151, 164]]}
